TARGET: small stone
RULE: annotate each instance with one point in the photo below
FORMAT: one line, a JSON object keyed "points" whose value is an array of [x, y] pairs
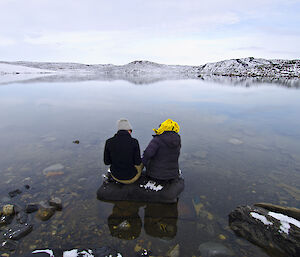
{"points": [[54, 167], [125, 225], [235, 141], [15, 193], [45, 214], [7, 245], [222, 237], [31, 207], [8, 209], [56, 202], [45, 211]]}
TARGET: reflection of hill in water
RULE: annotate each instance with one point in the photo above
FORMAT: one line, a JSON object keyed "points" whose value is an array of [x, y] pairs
{"points": [[248, 82], [144, 79]]}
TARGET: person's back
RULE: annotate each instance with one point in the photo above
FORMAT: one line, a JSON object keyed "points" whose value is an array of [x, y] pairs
{"points": [[162, 153], [122, 153]]}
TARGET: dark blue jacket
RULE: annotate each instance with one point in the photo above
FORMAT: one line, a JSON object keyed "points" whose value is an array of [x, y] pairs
{"points": [[122, 152], [161, 156]]}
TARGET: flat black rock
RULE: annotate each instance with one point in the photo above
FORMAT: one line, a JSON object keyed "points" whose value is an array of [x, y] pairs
{"points": [[17, 231], [143, 190]]}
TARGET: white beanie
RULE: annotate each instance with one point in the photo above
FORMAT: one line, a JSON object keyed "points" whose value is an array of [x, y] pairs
{"points": [[124, 124]]}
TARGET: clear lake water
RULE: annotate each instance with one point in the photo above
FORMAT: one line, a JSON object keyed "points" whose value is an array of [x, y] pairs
{"points": [[240, 146]]}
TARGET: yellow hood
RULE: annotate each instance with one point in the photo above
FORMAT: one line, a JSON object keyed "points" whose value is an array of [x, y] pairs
{"points": [[167, 125]]}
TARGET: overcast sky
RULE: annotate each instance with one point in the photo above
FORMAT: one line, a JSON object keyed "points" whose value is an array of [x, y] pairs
{"points": [[189, 32]]}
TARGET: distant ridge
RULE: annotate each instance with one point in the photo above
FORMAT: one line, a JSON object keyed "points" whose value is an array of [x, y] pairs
{"points": [[244, 67]]}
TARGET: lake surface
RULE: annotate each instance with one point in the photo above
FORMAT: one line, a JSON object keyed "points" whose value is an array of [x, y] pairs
{"points": [[240, 145]]}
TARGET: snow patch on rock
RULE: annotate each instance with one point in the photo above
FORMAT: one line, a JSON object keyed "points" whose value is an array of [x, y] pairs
{"points": [[285, 221], [152, 186], [260, 217]]}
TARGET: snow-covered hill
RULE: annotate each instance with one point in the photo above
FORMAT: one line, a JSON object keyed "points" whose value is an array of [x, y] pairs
{"points": [[245, 67], [143, 72], [252, 67]]}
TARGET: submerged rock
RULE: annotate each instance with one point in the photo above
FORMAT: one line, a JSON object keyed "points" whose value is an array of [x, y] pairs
{"points": [[45, 211], [212, 249], [235, 141], [56, 202], [8, 245], [5, 220], [31, 207], [273, 231], [8, 209], [15, 193], [125, 225], [54, 167], [22, 217], [17, 231]]}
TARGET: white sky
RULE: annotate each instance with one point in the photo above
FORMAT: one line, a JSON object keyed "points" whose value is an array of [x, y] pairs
{"points": [[189, 32]]}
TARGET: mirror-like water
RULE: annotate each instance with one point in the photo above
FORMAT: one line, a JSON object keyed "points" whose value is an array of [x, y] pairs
{"points": [[239, 146]]}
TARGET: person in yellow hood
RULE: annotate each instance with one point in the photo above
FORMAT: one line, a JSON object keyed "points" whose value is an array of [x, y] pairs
{"points": [[161, 155]]}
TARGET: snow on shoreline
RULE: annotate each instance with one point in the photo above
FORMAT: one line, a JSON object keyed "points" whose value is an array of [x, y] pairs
{"points": [[6, 68]]}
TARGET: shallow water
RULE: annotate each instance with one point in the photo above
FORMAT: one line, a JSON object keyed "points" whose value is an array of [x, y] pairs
{"points": [[240, 145]]}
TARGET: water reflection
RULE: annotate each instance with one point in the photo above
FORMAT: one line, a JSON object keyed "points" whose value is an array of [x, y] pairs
{"points": [[125, 222], [145, 79], [160, 220]]}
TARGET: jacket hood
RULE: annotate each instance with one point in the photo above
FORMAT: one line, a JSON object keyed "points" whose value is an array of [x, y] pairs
{"points": [[170, 138]]}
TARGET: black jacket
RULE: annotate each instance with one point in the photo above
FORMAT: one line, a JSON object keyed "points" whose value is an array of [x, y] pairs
{"points": [[161, 156], [122, 152]]}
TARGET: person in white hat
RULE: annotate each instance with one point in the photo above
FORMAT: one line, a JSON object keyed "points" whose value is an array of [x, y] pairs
{"points": [[122, 153]]}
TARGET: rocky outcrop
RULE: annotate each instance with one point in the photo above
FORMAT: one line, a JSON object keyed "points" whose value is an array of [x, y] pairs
{"points": [[268, 228]]}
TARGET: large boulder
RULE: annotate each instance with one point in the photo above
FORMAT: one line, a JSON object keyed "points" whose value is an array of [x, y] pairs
{"points": [[272, 230], [143, 190]]}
